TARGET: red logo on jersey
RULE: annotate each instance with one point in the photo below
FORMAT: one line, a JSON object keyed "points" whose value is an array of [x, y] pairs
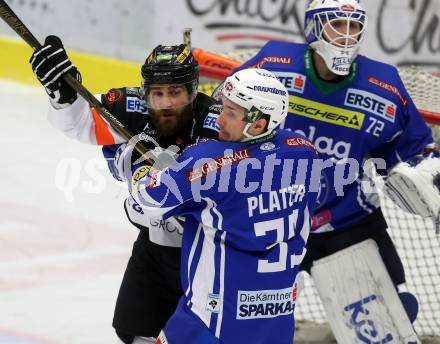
{"points": [[391, 111], [321, 218], [113, 96], [295, 292], [218, 163], [389, 88], [299, 82], [274, 59], [299, 142]]}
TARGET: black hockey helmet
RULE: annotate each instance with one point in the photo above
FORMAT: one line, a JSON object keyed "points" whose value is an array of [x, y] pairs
{"points": [[173, 64]]}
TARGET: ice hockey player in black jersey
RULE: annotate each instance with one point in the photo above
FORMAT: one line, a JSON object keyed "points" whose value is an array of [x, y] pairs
{"points": [[172, 114]]}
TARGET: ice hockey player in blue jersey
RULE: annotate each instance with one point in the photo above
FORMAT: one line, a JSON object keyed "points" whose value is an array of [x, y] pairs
{"points": [[247, 203], [353, 108]]}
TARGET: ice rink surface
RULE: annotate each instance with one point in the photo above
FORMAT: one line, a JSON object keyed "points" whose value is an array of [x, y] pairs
{"points": [[64, 238]]}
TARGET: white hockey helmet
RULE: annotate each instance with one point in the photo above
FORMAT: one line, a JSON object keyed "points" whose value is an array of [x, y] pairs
{"points": [[260, 93], [320, 14]]}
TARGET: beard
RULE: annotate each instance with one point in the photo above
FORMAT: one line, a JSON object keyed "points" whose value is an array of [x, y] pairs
{"points": [[169, 122]]}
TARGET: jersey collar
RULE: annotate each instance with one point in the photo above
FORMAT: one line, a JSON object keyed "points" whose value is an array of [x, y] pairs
{"points": [[269, 136], [323, 86]]}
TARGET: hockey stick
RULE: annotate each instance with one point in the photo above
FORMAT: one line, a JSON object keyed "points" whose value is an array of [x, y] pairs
{"points": [[8, 15]]}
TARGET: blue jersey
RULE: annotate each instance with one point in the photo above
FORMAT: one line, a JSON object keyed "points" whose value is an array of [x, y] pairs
{"points": [[247, 209], [368, 114]]}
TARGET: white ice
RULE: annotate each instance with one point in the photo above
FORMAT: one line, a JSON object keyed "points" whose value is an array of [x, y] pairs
{"points": [[64, 239]]}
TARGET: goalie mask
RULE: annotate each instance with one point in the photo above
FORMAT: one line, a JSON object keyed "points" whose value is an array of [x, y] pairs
{"points": [[261, 94], [172, 66], [335, 30]]}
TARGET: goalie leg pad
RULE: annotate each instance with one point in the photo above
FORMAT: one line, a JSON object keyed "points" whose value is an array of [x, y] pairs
{"points": [[360, 299]]}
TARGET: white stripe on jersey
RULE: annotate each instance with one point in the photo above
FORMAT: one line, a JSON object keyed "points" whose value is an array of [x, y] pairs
{"points": [[305, 230], [191, 256], [222, 273], [203, 281]]}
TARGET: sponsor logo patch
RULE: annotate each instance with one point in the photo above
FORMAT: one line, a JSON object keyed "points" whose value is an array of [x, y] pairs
{"points": [[142, 172], [132, 90], [210, 122], [326, 113], [269, 90], [161, 338], [275, 60], [299, 142], [364, 326], [321, 218], [135, 104], [213, 303], [347, 8], [294, 82], [265, 303], [389, 88], [113, 96], [183, 55], [372, 103], [218, 163], [228, 86], [327, 145], [267, 146]]}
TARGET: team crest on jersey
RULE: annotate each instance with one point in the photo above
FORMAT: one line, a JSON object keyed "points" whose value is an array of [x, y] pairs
{"points": [[372, 103], [113, 95], [327, 145], [258, 304], [210, 122], [294, 82], [268, 146], [135, 104], [213, 303], [326, 113]]}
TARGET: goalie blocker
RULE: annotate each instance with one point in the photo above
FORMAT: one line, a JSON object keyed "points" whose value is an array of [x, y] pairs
{"points": [[360, 300]]}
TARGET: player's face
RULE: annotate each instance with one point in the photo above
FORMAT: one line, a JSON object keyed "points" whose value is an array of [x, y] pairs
{"points": [[170, 108], [231, 121], [342, 32]]}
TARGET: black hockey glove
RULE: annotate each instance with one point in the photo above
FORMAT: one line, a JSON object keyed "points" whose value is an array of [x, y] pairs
{"points": [[50, 64]]}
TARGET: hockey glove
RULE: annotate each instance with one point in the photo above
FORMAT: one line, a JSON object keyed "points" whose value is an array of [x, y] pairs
{"points": [[416, 189], [50, 64]]}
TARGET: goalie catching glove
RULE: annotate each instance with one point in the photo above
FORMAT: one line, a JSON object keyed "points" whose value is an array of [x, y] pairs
{"points": [[416, 189], [50, 64]]}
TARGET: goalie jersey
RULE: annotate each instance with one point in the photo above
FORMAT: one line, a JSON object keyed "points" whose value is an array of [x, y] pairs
{"points": [[368, 114], [247, 208]]}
